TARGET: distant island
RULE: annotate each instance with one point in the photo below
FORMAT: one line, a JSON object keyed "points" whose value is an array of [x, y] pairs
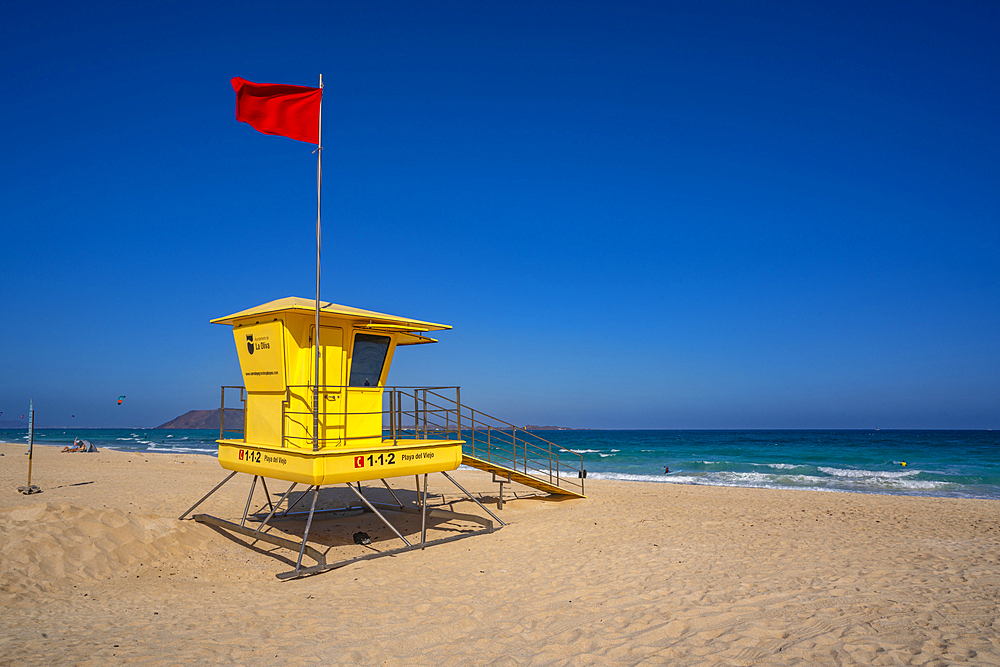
{"points": [[205, 419], [533, 427]]}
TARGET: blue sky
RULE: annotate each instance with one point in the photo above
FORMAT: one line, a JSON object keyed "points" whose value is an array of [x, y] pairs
{"points": [[664, 215]]}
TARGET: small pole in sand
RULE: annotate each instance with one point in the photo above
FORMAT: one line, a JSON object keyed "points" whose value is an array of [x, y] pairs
{"points": [[30, 488]]}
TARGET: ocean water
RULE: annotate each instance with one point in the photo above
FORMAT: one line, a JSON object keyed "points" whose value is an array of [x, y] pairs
{"points": [[167, 441], [959, 464]]}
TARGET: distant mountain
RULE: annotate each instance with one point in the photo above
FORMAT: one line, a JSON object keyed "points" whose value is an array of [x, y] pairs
{"points": [[207, 419], [7, 423]]}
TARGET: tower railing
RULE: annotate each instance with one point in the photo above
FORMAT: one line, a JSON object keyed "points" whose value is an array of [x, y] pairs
{"points": [[242, 410], [425, 413]]}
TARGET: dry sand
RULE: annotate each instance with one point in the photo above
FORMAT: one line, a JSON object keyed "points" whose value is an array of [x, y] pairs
{"points": [[96, 570]]}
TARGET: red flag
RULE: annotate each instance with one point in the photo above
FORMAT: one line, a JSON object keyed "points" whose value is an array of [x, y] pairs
{"points": [[274, 108]]}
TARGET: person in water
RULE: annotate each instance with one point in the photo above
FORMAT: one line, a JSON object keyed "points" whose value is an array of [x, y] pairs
{"points": [[666, 471]]}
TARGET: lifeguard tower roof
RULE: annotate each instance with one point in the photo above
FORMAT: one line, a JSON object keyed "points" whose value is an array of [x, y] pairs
{"points": [[364, 319]]}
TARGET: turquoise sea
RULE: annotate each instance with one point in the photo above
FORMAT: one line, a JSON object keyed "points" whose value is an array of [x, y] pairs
{"points": [[960, 464]]}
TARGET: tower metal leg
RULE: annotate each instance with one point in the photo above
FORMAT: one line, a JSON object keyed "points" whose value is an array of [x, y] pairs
{"points": [[246, 509], [423, 515], [309, 521], [386, 484], [205, 497], [474, 499], [267, 494], [379, 515], [297, 501], [275, 508]]}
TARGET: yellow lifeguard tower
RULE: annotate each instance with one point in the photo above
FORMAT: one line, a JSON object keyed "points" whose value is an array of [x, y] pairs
{"points": [[342, 440], [332, 420]]}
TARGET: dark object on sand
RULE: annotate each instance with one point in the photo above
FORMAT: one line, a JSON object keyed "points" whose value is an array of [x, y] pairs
{"points": [[362, 538]]}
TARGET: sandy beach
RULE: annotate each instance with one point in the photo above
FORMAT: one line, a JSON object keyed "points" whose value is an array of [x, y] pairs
{"points": [[96, 570]]}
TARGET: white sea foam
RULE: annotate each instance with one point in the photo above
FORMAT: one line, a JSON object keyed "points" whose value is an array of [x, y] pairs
{"points": [[604, 456], [842, 472], [869, 484], [185, 450], [782, 466], [744, 478], [615, 450], [919, 484], [586, 451], [630, 477]]}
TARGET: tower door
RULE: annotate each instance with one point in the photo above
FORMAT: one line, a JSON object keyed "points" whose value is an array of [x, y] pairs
{"points": [[368, 366], [331, 386], [299, 409]]}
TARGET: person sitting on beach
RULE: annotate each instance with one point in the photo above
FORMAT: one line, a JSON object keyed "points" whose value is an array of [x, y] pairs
{"points": [[77, 446], [80, 446]]}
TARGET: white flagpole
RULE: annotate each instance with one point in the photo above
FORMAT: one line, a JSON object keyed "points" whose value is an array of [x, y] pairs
{"points": [[319, 183]]}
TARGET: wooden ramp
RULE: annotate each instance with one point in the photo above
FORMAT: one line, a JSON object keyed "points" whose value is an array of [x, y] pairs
{"points": [[532, 480]]}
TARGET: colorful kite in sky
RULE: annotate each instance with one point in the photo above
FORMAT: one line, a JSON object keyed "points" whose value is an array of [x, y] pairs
{"points": [[120, 399]]}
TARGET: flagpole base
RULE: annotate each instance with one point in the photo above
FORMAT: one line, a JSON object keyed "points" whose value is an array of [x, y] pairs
{"points": [[28, 490]]}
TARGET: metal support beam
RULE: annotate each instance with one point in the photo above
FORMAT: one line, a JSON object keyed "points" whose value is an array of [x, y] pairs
{"points": [[275, 507], [297, 500], [379, 515], [340, 512], [309, 521], [267, 494], [474, 499], [205, 497], [501, 481], [394, 497], [246, 509], [423, 515]]}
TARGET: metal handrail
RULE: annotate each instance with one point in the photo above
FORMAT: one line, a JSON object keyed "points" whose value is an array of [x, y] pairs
{"points": [[222, 413], [538, 456], [433, 415]]}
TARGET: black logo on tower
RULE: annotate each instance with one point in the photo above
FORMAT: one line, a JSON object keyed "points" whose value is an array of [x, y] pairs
{"points": [[250, 343]]}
